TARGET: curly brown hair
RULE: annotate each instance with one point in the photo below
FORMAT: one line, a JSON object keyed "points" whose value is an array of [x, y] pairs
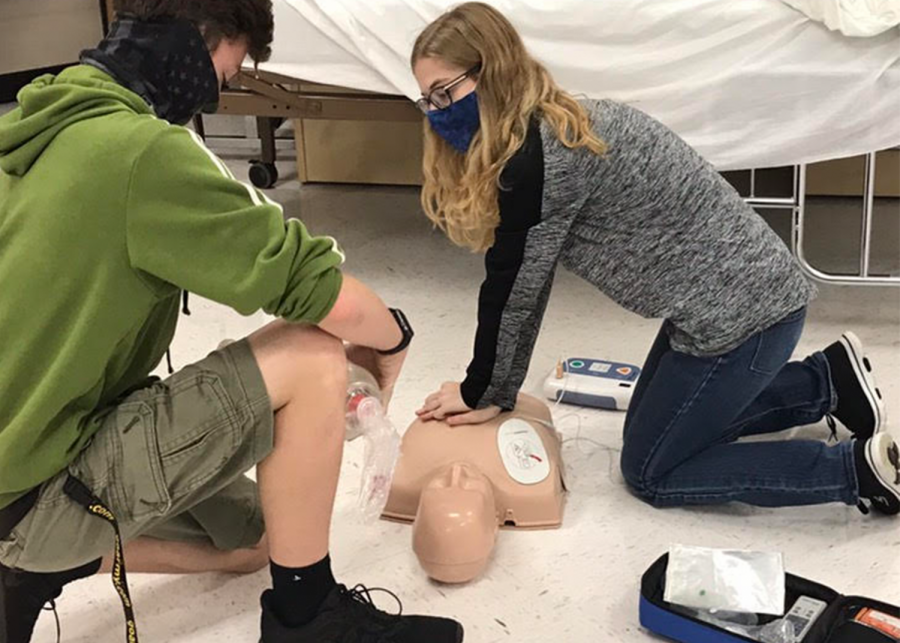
{"points": [[217, 19]]}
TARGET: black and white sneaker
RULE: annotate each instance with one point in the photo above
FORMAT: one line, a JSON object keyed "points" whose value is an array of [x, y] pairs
{"points": [[350, 616], [860, 406], [878, 472]]}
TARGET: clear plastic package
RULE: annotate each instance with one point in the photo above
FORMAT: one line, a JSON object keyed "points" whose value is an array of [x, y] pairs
{"points": [[746, 624], [720, 579]]}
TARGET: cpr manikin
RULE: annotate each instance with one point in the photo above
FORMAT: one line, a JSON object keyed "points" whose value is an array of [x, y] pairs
{"points": [[459, 485]]}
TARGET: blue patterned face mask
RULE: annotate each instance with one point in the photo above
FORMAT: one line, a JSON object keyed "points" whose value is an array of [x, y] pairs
{"points": [[166, 62], [458, 123]]}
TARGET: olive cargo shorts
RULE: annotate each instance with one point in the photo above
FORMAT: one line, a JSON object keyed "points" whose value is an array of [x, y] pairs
{"points": [[169, 461]]}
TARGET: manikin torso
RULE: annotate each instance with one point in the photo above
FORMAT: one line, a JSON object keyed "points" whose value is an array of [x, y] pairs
{"points": [[458, 485]]}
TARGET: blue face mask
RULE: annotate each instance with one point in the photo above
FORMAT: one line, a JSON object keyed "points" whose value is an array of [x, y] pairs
{"points": [[457, 124]]}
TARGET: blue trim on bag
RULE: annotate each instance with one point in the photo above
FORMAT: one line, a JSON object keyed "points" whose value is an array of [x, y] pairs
{"points": [[681, 628]]}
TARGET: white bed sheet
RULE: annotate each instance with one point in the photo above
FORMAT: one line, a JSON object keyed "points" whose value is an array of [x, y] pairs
{"points": [[859, 18], [748, 83]]}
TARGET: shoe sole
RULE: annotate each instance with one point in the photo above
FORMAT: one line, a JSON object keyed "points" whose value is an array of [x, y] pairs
{"points": [[862, 367], [460, 634], [878, 456]]}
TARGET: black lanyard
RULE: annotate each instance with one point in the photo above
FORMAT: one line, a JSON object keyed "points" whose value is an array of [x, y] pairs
{"points": [[78, 491], [13, 514]]}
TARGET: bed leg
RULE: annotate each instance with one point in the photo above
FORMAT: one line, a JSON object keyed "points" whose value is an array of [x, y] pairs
{"points": [[865, 241], [263, 173], [199, 127], [266, 130]]}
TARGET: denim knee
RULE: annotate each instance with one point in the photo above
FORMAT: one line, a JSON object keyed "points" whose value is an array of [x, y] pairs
{"points": [[633, 463]]}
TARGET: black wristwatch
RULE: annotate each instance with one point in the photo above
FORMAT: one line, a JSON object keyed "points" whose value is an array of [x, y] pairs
{"points": [[405, 328]]}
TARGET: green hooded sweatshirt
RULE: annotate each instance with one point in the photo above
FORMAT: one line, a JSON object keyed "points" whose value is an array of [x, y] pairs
{"points": [[106, 214]]}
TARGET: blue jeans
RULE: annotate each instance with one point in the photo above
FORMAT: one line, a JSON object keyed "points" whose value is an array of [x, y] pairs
{"points": [[687, 413]]}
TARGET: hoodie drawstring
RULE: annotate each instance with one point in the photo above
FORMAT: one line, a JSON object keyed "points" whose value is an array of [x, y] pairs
{"points": [[187, 311]]}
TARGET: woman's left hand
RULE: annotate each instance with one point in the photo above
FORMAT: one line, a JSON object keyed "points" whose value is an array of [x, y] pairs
{"points": [[448, 404]]}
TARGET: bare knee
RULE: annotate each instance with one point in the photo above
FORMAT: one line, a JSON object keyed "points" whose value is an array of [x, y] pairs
{"points": [[252, 559], [294, 357]]}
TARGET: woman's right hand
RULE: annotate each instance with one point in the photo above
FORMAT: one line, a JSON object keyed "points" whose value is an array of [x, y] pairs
{"points": [[448, 405]]}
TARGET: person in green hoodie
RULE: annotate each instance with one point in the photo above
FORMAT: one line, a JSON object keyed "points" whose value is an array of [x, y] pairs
{"points": [[110, 211]]}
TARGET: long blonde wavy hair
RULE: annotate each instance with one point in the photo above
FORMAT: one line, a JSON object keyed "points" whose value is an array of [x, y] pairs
{"points": [[460, 190]]}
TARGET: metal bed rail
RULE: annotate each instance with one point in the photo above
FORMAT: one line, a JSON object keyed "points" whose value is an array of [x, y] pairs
{"points": [[797, 204]]}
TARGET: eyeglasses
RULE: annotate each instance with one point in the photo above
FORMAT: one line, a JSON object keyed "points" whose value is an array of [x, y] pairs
{"points": [[440, 97]]}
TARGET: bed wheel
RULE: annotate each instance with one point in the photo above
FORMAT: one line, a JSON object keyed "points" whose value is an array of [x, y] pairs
{"points": [[263, 175]]}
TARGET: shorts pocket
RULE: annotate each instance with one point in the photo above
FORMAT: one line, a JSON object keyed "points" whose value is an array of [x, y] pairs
{"points": [[198, 430], [137, 483]]}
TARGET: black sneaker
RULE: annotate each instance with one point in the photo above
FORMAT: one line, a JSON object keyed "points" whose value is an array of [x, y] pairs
{"points": [[24, 594], [860, 406], [349, 616], [878, 471]]}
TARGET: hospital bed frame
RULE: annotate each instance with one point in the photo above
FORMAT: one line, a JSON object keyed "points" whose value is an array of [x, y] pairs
{"points": [[796, 202], [271, 96]]}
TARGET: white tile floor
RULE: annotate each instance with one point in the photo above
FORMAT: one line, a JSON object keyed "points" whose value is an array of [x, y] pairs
{"points": [[577, 584]]}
